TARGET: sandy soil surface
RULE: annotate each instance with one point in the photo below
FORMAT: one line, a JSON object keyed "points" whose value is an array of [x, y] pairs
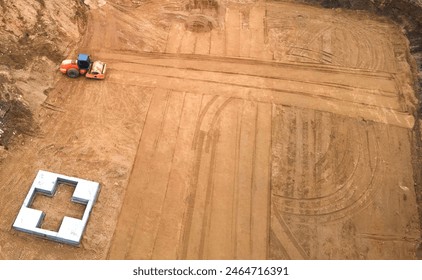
{"points": [[248, 130]]}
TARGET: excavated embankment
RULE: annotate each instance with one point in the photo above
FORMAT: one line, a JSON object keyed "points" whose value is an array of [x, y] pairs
{"points": [[34, 37]]}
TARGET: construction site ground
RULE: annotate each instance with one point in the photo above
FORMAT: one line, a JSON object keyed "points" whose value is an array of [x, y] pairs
{"points": [[275, 130]]}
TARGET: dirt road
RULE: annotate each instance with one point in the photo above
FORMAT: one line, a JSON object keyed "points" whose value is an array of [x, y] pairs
{"points": [[284, 132]]}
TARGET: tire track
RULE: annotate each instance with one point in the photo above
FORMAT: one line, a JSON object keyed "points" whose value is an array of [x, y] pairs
{"points": [[208, 235], [355, 110], [201, 120], [257, 17], [217, 44], [192, 60], [154, 182], [232, 32], [346, 198], [372, 90], [215, 116], [167, 244], [331, 92], [261, 203], [246, 153], [174, 38], [127, 242], [188, 43], [203, 44], [218, 225], [284, 236], [194, 231]]}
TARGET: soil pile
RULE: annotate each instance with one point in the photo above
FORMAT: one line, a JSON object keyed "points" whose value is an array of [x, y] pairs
{"points": [[34, 37]]}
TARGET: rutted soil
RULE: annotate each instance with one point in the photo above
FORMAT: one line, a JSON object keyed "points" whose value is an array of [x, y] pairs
{"points": [[230, 130], [408, 15]]}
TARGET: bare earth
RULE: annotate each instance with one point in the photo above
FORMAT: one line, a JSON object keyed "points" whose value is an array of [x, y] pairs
{"points": [[282, 133]]}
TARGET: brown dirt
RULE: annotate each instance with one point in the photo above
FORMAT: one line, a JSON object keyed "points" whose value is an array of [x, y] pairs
{"points": [[16, 118], [284, 132], [34, 36]]}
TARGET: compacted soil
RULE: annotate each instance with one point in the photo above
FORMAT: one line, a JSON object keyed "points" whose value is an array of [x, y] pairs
{"points": [[228, 130]]}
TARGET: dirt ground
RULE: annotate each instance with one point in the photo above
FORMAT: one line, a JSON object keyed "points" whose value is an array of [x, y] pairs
{"points": [[229, 130]]}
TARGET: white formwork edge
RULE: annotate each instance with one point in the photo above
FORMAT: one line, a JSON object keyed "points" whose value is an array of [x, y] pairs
{"points": [[71, 229]]}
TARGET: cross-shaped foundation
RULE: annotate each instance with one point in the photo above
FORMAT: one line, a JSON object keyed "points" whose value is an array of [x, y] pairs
{"points": [[60, 226], [58, 206]]}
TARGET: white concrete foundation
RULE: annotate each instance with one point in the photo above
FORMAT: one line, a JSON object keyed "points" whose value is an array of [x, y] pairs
{"points": [[29, 220]]}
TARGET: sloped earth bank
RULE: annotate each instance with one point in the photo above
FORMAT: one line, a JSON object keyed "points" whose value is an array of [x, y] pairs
{"points": [[229, 130], [34, 36]]}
